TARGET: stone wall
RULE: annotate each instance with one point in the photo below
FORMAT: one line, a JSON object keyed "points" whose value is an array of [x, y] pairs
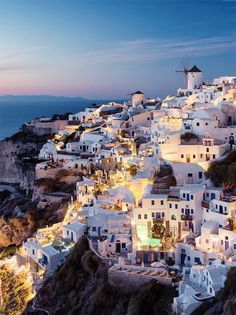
{"points": [[129, 282]]}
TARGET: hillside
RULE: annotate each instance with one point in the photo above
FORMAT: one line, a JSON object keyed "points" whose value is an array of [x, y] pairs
{"points": [[81, 286]]}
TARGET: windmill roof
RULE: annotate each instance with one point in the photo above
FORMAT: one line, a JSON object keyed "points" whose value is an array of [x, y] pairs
{"points": [[194, 69], [137, 92]]}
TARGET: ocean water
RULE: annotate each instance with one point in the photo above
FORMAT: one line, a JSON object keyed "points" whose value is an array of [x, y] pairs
{"points": [[13, 113]]}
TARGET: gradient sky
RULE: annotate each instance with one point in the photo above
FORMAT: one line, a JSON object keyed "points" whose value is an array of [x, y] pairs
{"points": [[107, 49]]}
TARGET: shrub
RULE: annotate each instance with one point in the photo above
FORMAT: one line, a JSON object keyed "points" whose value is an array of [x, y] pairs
{"points": [[223, 172], [187, 136]]}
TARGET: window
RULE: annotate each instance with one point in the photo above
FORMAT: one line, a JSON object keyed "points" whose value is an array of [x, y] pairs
{"points": [[173, 217], [207, 149], [206, 124], [163, 214], [153, 214], [145, 216], [139, 216], [182, 156], [210, 289], [170, 205], [67, 232], [201, 156], [194, 156], [94, 229], [226, 237], [197, 124], [200, 175], [162, 202], [153, 202], [192, 211], [221, 242], [213, 156], [188, 258], [197, 260], [123, 245], [182, 210], [33, 252], [183, 195], [234, 246], [207, 241], [176, 206]]}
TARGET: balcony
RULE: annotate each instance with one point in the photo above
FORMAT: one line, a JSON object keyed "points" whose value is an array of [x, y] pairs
{"points": [[186, 217], [173, 198], [158, 220]]}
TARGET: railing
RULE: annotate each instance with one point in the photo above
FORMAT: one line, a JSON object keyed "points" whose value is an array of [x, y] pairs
{"points": [[186, 217], [173, 198]]}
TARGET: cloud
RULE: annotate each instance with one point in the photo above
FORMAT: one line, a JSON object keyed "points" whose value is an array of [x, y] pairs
{"points": [[17, 67], [20, 53], [150, 50]]}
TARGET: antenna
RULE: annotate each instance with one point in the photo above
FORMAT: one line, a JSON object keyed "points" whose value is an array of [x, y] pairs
{"points": [[185, 70]]}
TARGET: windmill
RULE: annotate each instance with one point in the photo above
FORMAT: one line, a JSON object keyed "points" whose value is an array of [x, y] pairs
{"points": [[185, 71]]}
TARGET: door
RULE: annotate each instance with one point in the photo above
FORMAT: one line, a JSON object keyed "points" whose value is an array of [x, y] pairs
{"points": [[183, 256], [188, 158], [226, 245], [145, 258], [213, 196], [208, 157], [117, 247]]}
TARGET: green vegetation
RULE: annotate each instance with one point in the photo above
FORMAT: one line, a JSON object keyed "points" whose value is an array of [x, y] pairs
{"points": [[54, 185], [223, 173], [133, 170], [188, 136], [15, 293], [9, 251]]}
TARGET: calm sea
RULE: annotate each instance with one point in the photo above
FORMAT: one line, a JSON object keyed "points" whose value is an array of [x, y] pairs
{"points": [[14, 114]]}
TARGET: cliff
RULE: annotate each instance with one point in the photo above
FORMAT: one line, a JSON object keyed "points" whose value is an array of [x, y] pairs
{"points": [[81, 286], [18, 156]]}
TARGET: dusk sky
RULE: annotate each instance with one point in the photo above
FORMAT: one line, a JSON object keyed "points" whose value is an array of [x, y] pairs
{"points": [[107, 49]]}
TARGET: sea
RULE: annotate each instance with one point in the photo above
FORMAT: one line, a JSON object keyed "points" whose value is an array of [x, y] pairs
{"points": [[15, 111]]}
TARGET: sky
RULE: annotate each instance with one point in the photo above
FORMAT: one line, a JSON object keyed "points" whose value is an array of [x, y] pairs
{"points": [[110, 48]]}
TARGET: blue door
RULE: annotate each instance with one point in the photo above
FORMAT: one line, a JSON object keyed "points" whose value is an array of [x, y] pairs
{"points": [[145, 258], [213, 196], [99, 231]]}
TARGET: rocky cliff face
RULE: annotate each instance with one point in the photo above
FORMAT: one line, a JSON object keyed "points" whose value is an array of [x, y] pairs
{"points": [[81, 286], [17, 158]]}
